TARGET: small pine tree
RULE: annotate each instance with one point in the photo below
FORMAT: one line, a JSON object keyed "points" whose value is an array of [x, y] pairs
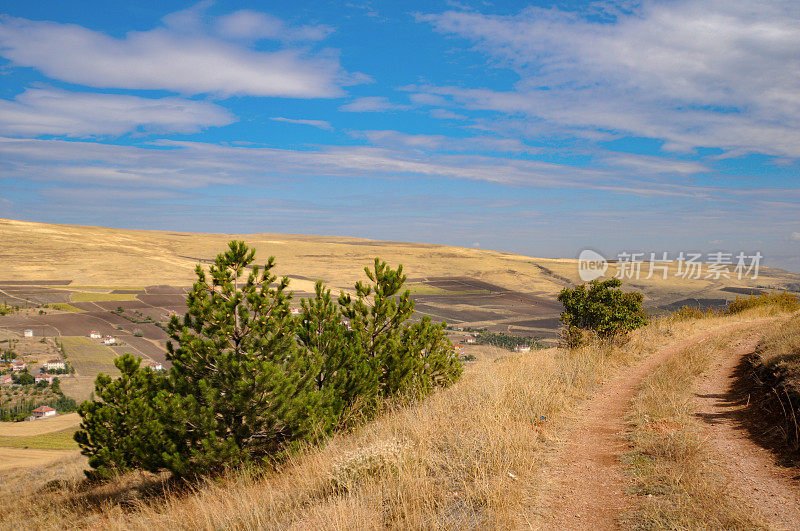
{"points": [[410, 359], [239, 384], [346, 378], [122, 430], [376, 316]]}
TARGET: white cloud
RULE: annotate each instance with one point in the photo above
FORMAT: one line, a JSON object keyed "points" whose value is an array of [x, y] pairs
{"points": [[691, 72], [444, 114], [253, 25], [441, 143], [182, 56], [372, 104], [321, 124], [48, 111], [181, 165]]}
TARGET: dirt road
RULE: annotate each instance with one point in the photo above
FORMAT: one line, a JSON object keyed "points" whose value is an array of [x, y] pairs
{"points": [[768, 490], [588, 482]]}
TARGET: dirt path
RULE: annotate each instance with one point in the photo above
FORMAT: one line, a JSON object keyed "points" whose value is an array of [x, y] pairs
{"points": [[588, 482], [769, 490]]}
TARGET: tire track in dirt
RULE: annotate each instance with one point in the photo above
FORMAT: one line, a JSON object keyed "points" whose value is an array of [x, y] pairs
{"points": [[771, 491], [588, 484]]}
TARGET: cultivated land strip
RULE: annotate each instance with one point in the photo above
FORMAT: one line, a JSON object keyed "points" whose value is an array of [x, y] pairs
{"points": [[770, 491], [588, 484]]}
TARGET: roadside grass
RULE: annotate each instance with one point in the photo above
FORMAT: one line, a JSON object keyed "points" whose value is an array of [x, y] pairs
{"points": [[779, 301], [64, 307], [88, 357], [675, 473], [771, 377], [470, 456], [85, 296], [56, 440]]}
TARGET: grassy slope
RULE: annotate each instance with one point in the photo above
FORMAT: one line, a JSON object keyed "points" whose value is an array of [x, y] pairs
{"points": [[470, 456], [95, 256], [56, 440], [772, 379]]}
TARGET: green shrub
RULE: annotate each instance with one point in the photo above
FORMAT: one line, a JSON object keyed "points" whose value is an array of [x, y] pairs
{"points": [[603, 308]]}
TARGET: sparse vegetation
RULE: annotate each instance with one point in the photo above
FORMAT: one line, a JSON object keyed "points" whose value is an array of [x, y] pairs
{"points": [[773, 381], [5, 309], [508, 341], [779, 300], [673, 468]]}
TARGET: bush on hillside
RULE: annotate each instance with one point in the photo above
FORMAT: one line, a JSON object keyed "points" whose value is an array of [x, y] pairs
{"points": [[249, 380], [603, 308], [782, 300], [686, 313]]}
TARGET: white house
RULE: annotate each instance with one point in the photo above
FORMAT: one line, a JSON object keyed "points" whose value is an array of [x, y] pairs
{"points": [[27, 332], [94, 334], [55, 365], [522, 348], [155, 366], [44, 378], [470, 340], [44, 411], [109, 340], [18, 365]]}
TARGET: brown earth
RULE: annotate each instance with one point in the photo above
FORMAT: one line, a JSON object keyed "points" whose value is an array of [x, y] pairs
{"points": [[769, 490], [588, 482]]}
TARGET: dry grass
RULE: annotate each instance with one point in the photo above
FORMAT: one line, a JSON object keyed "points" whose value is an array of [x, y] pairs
{"points": [[674, 470], [39, 427], [57, 440], [772, 380], [25, 471], [470, 456], [96, 256]]}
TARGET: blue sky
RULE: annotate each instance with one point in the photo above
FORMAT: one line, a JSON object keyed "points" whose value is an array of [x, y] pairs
{"points": [[541, 128]]}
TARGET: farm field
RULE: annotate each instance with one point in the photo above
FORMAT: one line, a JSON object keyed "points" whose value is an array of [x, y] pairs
{"points": [[149, 272], [26, 458]]}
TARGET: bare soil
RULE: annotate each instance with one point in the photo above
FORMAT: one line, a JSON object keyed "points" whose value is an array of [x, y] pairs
{"points": [[588, 485], [770, 490]]}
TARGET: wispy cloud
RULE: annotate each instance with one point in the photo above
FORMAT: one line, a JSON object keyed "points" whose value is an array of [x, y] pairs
{"points": [[49, 111], [321, 124], [707, 73], [372, 104], [185, 165], [184, 55]]}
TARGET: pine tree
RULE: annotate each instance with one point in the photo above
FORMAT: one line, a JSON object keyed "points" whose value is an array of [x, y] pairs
{"points": [[410, 359], [121, 431], [239, 384], [346, 378]]}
